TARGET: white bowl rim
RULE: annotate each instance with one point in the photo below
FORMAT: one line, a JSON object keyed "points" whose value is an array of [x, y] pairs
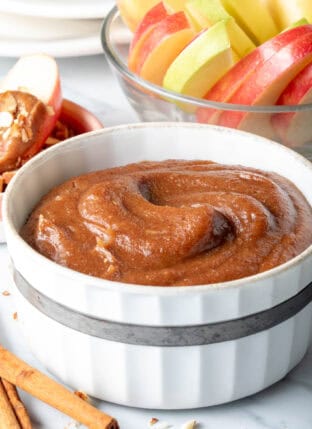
{"points": [[115, 286]]}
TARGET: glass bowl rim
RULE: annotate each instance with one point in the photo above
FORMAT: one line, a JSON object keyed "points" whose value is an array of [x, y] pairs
{"points": [[119, 64]]}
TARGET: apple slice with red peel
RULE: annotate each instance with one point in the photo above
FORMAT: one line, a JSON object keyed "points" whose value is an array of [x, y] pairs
{"points": [[225, 88], [133, 11], [25, 126], [295, 128], [201, 64], [38, 75], [265, 85], [161, 46], [33, 86], [153, 17]]}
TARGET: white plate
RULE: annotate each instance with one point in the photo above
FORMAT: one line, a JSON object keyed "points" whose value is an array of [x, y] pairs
{"points": [[73, 9], [67, 38], [2, 238], [56, 48]]}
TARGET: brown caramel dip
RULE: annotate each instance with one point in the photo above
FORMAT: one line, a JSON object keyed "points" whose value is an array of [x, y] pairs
{"points": [[172, 223]]}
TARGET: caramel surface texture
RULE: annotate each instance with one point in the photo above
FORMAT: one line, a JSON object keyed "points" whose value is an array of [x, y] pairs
{"points": [[172, 223]]}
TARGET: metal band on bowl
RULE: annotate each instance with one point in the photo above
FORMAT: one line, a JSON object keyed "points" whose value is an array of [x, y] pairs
{"points": [[167, 336]]}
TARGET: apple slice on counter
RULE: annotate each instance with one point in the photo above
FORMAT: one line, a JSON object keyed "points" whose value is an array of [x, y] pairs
{"points": [[224, 89], [265, 85], [253, 17], [207, 13], [161, 46], [295, 128], [153, 17], [204, 61], [133, 11]]}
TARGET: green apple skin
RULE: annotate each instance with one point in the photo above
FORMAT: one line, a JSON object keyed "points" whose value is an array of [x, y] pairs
{"points": [[202, 63], [207, 13]]}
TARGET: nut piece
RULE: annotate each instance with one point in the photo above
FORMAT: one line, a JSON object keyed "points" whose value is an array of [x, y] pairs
{"points": [[189, 425], [153, 421], [50, 110], [24, 136], [6, 119], [8, 103]]}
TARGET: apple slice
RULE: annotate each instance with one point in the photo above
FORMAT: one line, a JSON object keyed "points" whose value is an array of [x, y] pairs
{"points": [[285, 12], [253, 17], [295, 128], [207, 13], [224, 89], [133, 11], [173, 6], [153, 17], [205, 60], [161, 46], [32, 86], [25, 126], [265, 85], [38, 75]]}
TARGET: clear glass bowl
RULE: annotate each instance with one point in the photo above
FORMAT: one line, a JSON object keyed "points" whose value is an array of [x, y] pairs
{"points": [[154, 103]]}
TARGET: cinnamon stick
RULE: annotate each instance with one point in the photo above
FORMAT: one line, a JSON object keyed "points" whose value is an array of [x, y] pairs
{"points": [[52, 393], [17, 404], [8, 419]]}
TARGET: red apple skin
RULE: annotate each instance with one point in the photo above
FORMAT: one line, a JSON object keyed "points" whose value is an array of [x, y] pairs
{"points": [[295, 128], [152, 17], [225, 88], [22, 75], [169, 25], [48, 123], [266, 83]]}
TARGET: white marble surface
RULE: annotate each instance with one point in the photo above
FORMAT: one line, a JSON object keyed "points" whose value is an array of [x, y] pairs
{"points": [[287, 405]]}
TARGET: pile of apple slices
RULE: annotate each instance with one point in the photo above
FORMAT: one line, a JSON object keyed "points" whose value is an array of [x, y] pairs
{"points": [[230, 51]]}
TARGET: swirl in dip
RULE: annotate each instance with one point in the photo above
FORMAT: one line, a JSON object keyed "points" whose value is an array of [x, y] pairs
{"points": [[172, 223]]}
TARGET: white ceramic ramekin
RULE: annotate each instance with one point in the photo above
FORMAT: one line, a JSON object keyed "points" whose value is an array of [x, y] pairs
{"points": [[153, 347]]}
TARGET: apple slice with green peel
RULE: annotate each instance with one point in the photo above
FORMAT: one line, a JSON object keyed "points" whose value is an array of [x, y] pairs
{"points": [[162, 45], [202, 63], [285, 12], [295, 128], [265, 85], [224, 89], [207, 13], [302, 21], [153, 17], [253, 17], [133, 11]]}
